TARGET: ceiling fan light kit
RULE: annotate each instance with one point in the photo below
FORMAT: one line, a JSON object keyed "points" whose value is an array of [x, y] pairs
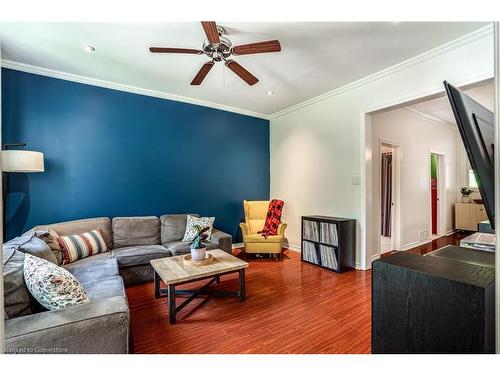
{"points": [[219, 48]]}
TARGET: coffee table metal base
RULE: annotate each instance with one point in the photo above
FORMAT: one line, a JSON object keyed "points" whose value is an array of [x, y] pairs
{"points": [[170, 292]]}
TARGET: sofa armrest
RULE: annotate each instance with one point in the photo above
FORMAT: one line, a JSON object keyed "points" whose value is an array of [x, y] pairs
{"points": [[223, 240], [245, 231], [281, 229], [97, 327]]}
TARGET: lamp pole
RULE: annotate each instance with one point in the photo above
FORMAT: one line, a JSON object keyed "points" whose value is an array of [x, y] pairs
{"points": [[4, 188]]}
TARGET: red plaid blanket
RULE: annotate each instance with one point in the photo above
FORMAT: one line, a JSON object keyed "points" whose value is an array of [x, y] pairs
{"points": [[273, 218]]}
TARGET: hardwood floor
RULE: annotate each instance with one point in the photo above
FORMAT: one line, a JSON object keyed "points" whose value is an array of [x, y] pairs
{"points": [[291, 307], [453, 239]]}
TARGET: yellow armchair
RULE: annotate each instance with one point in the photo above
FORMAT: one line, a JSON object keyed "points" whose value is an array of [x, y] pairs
{"points": [[255, 217]]}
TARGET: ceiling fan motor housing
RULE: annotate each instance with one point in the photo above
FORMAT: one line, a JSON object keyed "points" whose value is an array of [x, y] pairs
{"points": [[217, 52]]}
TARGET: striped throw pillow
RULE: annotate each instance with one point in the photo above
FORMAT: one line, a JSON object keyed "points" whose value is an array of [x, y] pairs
{"points": [[79, 246]]}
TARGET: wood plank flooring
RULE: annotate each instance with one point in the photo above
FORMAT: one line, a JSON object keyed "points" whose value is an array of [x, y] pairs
{"points": [[291, 307]]}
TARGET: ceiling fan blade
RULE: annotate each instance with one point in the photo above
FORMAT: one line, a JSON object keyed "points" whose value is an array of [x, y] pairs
{"points": [[261, 47], [244, 74], [210, 28], [175, 50], [202, 73]]}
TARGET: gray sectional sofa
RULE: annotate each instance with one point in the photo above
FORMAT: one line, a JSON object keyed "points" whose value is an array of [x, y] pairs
{"points": [[102, 326]]}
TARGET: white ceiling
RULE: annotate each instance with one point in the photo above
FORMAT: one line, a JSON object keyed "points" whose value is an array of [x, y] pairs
{"points": [[315, 57], [440, 108]]}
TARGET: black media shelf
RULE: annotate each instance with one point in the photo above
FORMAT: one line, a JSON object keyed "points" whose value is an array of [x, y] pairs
{"points": [[329, 242]]}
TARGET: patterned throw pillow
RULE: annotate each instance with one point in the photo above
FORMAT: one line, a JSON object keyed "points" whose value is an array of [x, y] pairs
{"points": [[203, 222], [79, 246], [52, 286]]}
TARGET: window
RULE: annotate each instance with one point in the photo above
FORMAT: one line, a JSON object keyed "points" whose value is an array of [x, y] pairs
{"points": [[472, 179]]}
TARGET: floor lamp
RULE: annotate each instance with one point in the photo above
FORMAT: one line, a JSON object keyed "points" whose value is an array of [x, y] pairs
{"points": [[20, 161]]}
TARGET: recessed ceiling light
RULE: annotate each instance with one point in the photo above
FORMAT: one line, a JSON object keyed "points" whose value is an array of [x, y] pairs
{"points": [[270, 92], [88, 48]]}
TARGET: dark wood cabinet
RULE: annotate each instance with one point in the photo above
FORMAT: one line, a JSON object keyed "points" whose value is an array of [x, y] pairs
{"points": [[440, 303], [329, 242]]}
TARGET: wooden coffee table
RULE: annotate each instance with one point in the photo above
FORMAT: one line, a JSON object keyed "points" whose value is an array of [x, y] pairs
{"points": [[173, 271]]}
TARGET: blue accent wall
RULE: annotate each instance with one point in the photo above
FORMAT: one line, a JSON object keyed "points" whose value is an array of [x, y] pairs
{"points": [[112, 153]]}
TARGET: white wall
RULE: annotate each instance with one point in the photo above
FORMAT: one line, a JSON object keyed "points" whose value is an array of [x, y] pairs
{"points": [[317, 147], [417, 137]]}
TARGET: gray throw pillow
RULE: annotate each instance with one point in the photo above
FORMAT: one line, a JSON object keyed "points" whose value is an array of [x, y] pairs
{"points": [[17, 299], [29, 244], [50, 237]]}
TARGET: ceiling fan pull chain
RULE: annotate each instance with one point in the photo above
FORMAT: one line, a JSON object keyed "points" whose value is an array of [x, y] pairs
{"points": [[223, 77]]}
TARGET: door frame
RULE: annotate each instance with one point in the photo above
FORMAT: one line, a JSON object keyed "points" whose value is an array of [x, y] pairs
{"points": [[396, 195], [441, 193]]}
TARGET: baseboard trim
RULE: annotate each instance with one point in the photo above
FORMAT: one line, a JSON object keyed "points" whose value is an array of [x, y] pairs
{"points": [[426, 241], [238, 245], [292, 247]]}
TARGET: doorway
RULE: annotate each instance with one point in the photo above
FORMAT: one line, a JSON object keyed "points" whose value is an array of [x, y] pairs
{"points": [[388, 188], [434, 194], [437, 195]]}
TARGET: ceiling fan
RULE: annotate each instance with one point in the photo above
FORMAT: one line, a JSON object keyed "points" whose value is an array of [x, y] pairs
{"points": [[220, 48]]}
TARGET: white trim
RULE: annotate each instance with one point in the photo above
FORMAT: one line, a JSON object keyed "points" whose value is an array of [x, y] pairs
{"points": [[411, 245], [466, 39], [374, 257], [9, 64], [433, 119], [396, 226], [292, 247]]}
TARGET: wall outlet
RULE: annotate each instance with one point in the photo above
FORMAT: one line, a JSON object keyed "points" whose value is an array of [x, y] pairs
{"points": [[356, 180]]}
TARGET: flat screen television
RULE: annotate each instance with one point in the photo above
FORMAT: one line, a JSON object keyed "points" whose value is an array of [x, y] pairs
{"points": [[476, 125]]}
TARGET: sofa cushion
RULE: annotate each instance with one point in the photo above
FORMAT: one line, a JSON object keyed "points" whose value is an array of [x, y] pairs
{"points": [[81, 226], [52, 286], [97, 267], [138, 255], [17, 298], [182, 247], [260, 238], [29, 244], [173, 227], [79, 246], [134, 231], [105, 288]]}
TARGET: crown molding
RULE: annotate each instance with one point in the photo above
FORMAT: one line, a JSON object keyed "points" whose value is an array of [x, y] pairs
{"points": [[444, 48], [9, 64], [432, 119]]}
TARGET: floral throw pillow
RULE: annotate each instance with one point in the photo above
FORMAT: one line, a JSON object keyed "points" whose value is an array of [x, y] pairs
{"points": [[52, 286], [203, 222]]}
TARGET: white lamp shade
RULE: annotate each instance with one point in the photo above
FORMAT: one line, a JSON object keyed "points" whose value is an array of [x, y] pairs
{"points": [[22, 161]]}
